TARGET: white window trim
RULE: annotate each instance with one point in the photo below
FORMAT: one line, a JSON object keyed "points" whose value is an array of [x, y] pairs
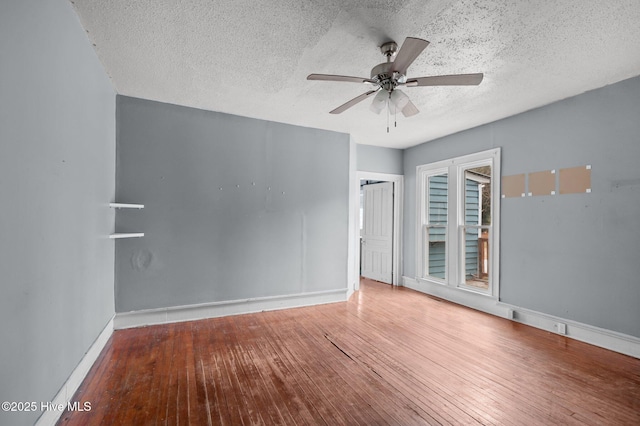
{"points": [[455, 169]]}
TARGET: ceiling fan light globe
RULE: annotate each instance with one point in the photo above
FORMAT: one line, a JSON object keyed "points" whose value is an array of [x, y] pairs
{"points": [[399, 99], [374, 108], [379, 102]]}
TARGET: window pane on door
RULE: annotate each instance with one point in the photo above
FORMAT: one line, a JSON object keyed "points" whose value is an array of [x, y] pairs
{"points": [[436, 252], [437, 211], [477, 199], [476, 257], [438, 200]]}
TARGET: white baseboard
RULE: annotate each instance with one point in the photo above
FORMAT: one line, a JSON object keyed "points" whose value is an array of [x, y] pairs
{"points": [[477, 301], [66, 392], [218, 309], [618, 342], [612, 340]]}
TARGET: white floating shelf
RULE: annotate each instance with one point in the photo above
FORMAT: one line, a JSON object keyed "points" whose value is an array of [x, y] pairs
{"points": [[126, 206], [132, 235]]}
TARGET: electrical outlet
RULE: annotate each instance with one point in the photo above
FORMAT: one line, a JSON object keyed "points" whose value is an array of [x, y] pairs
{"points": [[560, 328], [511, 314]]}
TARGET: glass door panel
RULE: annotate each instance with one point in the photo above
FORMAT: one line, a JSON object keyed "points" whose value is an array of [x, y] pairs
{"points": [[436, 252], [436, 229], [476, 259], [474, 265], [477, 196]]}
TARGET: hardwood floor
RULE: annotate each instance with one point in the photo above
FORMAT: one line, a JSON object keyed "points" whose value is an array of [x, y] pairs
{"points": [[388, 356]]}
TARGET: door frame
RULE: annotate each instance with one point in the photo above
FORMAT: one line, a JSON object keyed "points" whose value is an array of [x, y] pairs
{"points": [[455, 167], [398, 196]]}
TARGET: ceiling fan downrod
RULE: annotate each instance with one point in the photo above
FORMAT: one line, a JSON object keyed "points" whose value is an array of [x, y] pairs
{"points": [[389, 49]]}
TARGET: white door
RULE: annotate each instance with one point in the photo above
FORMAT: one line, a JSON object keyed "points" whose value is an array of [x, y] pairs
{"points": [[377, 232]]}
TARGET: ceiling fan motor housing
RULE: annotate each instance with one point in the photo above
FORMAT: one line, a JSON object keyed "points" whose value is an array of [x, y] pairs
{"points": [[386, 77]]}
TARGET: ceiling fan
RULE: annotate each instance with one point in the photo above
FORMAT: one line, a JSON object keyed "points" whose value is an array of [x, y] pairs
{"points": [[388, 76]]}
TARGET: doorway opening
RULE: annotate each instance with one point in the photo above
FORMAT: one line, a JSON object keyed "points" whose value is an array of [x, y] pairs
{"points": [[379, 228]]}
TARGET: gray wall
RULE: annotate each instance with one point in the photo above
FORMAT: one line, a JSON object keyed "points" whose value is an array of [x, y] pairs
{"points": [[57, 176], [206, 244], [573, 256], [379, 159]]}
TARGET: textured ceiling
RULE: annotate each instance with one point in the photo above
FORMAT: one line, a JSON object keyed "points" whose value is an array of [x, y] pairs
{"points": [[251, 57]]}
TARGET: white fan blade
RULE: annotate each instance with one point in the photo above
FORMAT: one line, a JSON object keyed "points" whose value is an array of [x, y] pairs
{"points": [[408, 53], [410, 110], [447, 80], [345, 78], [352, 102]]}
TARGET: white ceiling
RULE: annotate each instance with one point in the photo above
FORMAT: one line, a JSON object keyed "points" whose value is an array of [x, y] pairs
{"points": [[251, 57]]}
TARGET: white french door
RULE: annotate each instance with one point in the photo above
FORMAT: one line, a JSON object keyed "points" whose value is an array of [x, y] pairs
{"points": [[458, 218]]}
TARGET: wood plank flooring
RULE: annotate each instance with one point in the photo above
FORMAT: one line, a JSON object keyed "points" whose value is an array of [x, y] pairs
{"points": [[389, 356]]}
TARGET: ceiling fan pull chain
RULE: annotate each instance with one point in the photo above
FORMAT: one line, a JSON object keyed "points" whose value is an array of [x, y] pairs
{"points": [[388, 113]]}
